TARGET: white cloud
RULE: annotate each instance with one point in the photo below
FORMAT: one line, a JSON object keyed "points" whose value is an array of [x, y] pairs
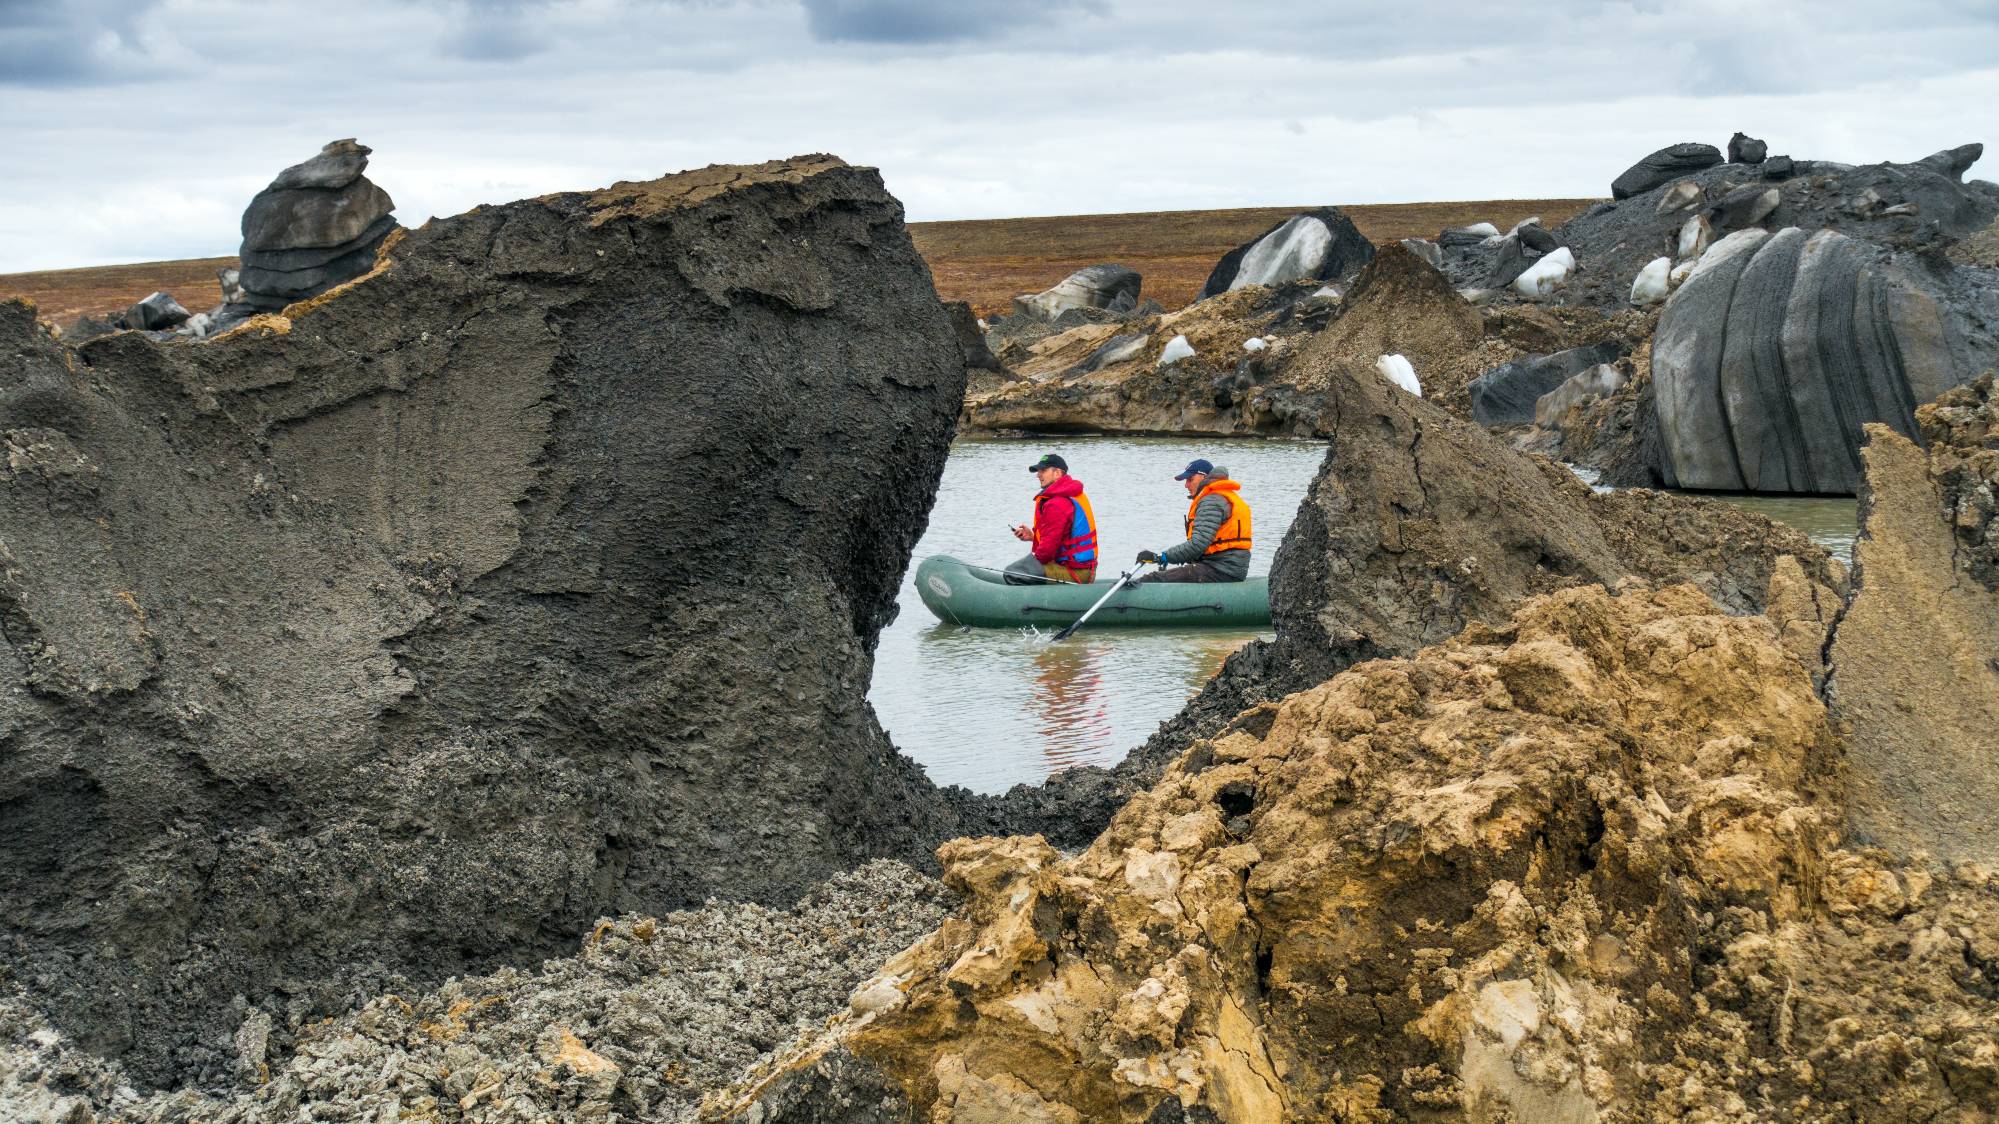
{"points": [[148, 143]]}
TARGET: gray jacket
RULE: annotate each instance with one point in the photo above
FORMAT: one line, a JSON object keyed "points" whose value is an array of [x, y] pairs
{"points": [[1208, 519]]}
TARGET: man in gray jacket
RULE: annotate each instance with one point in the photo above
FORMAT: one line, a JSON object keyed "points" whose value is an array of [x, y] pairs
{"points": [[1218, 531]]}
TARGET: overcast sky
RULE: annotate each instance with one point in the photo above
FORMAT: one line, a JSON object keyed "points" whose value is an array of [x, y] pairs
{"points": [[133, 130]]}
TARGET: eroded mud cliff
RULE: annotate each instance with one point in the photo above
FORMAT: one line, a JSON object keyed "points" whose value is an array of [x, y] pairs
{"points": [[532, 577]]}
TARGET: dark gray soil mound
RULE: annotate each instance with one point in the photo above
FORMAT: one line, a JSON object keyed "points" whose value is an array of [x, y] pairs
{"points": [[534, 577]]}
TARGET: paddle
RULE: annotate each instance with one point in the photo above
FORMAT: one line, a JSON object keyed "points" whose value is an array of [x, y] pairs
{"points": [[1123, 580]]}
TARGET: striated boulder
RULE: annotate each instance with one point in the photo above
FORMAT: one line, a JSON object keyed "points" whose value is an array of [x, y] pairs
{"points": [[317, 225], [1506, 394], [1111, 287], [1778, 349], [1320, 245], [1582, 864], [389, 639], [158, 312], [1914, 664]]}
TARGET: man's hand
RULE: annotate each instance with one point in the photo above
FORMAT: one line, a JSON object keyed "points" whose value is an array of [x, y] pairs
{"points": [[1145, 556], [1021, 532]]}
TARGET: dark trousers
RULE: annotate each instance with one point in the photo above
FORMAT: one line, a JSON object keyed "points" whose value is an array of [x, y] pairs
{"points": [[1191, 572]]}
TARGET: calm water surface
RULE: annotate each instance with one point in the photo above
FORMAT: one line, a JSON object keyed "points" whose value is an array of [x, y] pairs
{"points": [[1830, 521], [992, 708]]}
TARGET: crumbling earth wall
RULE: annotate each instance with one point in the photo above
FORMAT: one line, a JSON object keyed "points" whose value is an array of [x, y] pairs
{"points": [[532, 577]]}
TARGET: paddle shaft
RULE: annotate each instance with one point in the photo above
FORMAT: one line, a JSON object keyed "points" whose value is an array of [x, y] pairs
{"points": [[1123, 580]]}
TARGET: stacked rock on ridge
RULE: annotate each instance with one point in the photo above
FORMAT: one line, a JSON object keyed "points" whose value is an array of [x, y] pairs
{"points": [[535, 578], [318, 224], [1320, 245], [1664, 166], [1778, 349]]}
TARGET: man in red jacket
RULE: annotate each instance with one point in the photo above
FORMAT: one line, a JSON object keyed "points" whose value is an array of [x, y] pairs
{"points": [[1064, 534]]}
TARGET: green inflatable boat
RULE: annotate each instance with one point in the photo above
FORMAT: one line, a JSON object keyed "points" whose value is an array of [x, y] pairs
{"points": [[980, 597]]}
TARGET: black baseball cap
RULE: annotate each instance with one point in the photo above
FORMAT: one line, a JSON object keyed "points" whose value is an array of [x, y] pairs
{"points": [[1196, 468], [1049, 460]]}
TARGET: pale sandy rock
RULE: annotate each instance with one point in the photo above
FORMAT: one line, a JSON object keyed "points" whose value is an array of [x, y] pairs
{"points": [[1913, 680]]}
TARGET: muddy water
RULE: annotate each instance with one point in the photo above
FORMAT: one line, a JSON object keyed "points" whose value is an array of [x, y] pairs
{"points": [[1829, 521], [991, 708]]}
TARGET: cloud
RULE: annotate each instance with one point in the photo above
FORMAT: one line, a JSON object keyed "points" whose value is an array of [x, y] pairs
{"points": [[931, 21], [495, 30], [146, 127], [83, 43]]}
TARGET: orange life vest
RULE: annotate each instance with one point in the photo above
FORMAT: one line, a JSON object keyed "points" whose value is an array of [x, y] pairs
{"points": [[1234, 531], [1079, 543]]}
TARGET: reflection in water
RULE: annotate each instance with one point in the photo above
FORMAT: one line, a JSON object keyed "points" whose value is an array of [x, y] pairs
{"points": [[1072, 705], [1069, 701]]}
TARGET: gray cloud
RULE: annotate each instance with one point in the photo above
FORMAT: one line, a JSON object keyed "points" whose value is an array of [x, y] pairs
{"points": [[931, 21], [71, 44], [495, 30], [138, 130]]}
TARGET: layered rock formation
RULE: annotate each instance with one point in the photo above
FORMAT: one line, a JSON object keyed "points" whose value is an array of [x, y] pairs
{"points": [[1778, 349], [1321, 245], [1915, 662], [317, 225], [1579, 865], [531, 577]]}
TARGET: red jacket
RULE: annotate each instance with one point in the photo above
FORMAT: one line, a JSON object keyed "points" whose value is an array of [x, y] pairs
{"points": [[1055, 518]]}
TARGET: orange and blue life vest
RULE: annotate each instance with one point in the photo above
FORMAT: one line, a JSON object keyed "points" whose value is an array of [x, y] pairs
{"points": [[1234, 531], [1079, 540]]}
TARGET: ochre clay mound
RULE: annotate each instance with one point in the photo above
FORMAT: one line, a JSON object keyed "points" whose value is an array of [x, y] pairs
{"points": [[532, 577], [1915, 661], [1582, 865]]}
